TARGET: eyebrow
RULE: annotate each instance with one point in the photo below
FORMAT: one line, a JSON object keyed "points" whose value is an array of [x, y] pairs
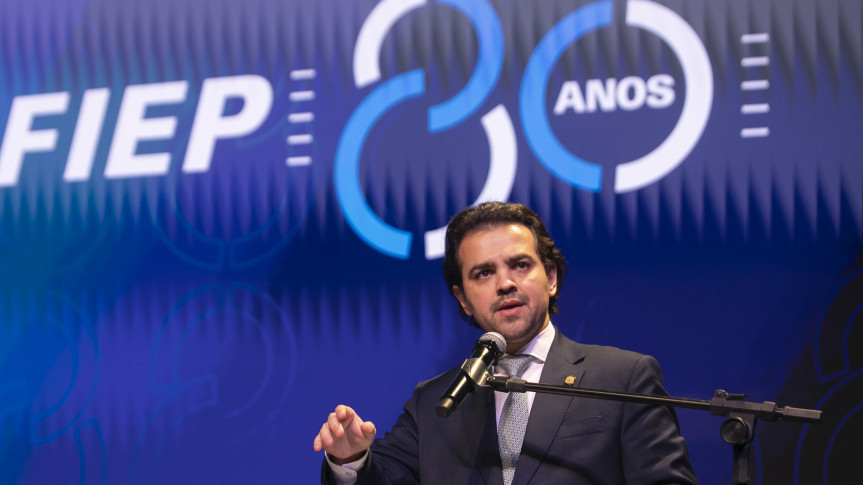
{"points": [[520, 257], [489, 265], [480, 267]]}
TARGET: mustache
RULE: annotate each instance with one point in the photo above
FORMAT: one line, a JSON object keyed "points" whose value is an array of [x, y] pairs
{"points": [[522, 299]]}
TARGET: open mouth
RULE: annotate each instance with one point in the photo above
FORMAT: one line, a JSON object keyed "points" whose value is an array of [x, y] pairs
{"points": [[509, 306]]}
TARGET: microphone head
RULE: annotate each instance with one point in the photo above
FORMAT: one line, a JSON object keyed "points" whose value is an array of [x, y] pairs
{"points": [[496, 340]]}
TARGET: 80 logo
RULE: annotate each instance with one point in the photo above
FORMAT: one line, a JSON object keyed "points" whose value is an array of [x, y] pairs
{"points": [[497, 122]]}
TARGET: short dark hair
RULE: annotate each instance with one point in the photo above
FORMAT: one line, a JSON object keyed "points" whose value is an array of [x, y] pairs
{"points": [[492, 214]]}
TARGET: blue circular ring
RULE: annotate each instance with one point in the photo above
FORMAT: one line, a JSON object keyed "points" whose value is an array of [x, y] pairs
{"points": [[534, 118]]}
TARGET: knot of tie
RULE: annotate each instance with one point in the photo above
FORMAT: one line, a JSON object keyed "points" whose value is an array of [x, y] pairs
{"points": [[515, 365], [513, 418]]}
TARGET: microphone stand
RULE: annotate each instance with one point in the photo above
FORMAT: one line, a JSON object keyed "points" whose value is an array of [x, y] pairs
{"points": [[738, 430]]}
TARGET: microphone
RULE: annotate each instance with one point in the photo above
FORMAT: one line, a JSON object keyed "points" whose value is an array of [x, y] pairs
{"points": [[486, 352]]}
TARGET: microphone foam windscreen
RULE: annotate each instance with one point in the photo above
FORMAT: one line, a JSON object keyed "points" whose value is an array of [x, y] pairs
{"points": [[497, 340]]}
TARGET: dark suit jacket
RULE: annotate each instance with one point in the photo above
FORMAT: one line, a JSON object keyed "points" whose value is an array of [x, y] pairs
{"points": [[568, 440]]}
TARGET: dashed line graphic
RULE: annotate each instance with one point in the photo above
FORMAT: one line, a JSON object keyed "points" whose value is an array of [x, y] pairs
{"points": [[303, 139], [759, 132], [306, 117], [301, 120], [302, 95], [302, 74], [755, 61], [755, 85], [758, 87], [299, 161], [755, 108], [758, 38]]}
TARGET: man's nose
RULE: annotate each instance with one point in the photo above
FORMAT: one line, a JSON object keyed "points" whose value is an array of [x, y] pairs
{"points": [[505, 284]]}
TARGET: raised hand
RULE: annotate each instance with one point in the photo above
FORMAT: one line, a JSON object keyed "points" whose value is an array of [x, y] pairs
{"points": [[345, 436]]}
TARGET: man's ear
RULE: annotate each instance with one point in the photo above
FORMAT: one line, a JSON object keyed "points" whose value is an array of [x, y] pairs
{"points": [[459, 295], [552, 281]]}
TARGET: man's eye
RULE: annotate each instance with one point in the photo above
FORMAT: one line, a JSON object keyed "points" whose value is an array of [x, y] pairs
{"points": [[483, 274], [522, 265]]}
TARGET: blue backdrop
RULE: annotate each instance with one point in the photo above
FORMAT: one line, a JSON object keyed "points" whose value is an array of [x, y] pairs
{"points": [[221, 219]]}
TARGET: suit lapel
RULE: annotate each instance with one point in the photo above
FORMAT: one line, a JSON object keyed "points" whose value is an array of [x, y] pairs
{"points": [[479, 423], [564, 359]]}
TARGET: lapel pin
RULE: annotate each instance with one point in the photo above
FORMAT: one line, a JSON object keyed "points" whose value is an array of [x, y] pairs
{"points": [[570, 380]]}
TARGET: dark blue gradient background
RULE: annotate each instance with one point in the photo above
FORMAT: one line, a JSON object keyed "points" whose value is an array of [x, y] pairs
{"points": [[197, 328]]}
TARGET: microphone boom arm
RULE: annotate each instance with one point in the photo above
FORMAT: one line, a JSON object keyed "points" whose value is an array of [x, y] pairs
{"points": [[738, 430], [722, 403]]}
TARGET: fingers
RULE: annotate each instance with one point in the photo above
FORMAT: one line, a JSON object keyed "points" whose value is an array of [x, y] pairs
{"points": [[348, 420], [363, 431], [344, 428], [368, 429], [324, 438], [330, 430], [345, 414], [336, 428]]}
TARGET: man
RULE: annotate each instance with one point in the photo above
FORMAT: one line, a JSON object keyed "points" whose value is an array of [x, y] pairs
{"points": [[502, 267]]}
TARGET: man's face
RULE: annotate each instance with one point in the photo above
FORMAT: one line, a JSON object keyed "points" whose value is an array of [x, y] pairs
{"points": [[504, 285]]}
